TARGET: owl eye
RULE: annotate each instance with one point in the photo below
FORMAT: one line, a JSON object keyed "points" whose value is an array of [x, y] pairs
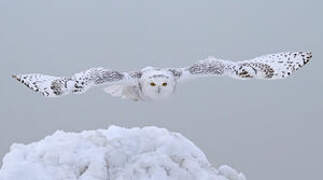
{"points": [[164, 84], [152, 84]]}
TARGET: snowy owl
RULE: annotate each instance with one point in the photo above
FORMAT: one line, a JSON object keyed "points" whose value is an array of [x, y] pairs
{"points": [[153, 83]]}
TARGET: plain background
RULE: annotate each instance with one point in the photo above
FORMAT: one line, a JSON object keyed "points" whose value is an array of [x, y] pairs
{"points": [[266, 129]]}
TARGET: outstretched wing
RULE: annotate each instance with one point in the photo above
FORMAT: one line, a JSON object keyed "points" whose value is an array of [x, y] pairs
{"points": [[52, 86], [272, 66]]}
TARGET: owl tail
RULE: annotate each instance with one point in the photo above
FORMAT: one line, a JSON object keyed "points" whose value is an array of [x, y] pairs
{"points": [[124, 91]]}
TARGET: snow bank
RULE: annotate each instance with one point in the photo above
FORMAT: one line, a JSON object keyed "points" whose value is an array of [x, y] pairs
{"points": [[113, 154]]}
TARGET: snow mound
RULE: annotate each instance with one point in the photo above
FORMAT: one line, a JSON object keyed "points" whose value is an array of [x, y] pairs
{"points": [[113, 154]]}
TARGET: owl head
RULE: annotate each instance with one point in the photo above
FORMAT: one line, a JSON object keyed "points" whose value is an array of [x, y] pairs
{"points": [[157, 84]]}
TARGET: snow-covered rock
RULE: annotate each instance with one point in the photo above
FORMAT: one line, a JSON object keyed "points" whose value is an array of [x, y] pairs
{"points": [[113, 154]]}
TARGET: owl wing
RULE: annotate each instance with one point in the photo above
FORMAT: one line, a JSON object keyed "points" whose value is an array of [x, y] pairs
{"points": [[272, 66], [52, 86]]}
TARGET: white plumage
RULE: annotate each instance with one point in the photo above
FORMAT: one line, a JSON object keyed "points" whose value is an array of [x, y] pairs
{"points": [[154, 83]]}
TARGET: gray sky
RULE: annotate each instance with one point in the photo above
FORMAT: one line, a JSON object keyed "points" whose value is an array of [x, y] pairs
{"points": [[266, 129]]}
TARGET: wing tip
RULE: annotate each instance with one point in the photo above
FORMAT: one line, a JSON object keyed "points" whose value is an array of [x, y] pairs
{"points": [[307, 56], [17, 77], [304, 56], [22, 79]]}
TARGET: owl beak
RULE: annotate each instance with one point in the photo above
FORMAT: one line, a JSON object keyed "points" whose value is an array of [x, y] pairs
{"points": [[159, 89]]}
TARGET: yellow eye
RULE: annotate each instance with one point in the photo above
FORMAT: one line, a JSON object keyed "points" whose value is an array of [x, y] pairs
{"points": [[152, 84], [164, 84]]}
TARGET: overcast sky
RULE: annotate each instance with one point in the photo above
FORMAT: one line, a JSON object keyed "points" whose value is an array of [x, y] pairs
{"points": [[266, 129]]}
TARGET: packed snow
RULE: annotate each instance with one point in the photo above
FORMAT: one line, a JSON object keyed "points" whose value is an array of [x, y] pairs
{"points": [[115, 153]]}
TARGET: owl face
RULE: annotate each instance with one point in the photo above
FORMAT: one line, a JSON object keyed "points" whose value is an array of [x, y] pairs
{"points": [[158, 85]]}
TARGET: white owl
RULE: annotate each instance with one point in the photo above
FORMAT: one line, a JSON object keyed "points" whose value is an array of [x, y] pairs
{"points": [[152, 83]]}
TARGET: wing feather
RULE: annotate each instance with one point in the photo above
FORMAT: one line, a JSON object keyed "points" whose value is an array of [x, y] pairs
{"points": [[272, 66], [52, 86]]}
